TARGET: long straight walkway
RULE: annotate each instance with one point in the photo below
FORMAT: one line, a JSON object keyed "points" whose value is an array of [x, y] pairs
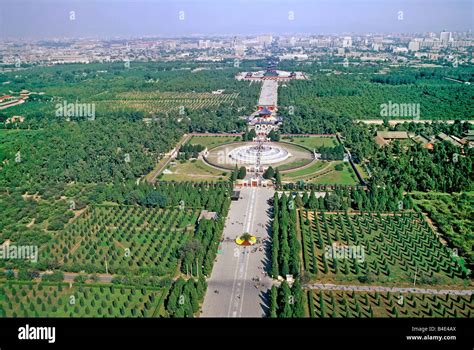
{"points": [[269, 93], [238, 285], [358, 288]]}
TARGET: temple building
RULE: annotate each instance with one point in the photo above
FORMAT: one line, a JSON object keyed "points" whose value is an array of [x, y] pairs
{"points": [[265, 118], [270, 74], [264, 121]]}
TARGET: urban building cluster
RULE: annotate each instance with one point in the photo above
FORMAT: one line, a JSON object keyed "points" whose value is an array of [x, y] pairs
{"points": [[450, 46]]}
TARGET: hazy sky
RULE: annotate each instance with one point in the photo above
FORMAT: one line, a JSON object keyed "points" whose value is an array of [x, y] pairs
{"points": [[130, 18]]}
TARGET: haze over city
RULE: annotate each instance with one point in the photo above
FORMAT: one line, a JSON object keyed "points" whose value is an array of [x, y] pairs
{"points": [[41, 19]]}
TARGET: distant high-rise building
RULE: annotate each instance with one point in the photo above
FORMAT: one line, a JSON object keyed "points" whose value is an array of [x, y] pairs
{"points": [[377, 47], [414, 46], [265, 40], [347, 41], [240, 50], [445, 37], [430, 44], [204, 44]]}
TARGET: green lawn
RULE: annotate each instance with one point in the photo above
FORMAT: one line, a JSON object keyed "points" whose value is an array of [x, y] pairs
{"points": [[296, 164], [323, 172], [196, 171], [362, 171], [343, 177], [303, 173], [212, 141]]}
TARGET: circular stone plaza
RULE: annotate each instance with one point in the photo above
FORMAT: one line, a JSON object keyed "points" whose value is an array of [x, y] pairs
{"points": [[262, 155], [249, 154]]}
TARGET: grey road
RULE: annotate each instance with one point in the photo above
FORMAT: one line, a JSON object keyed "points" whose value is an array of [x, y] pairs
{"points": [[239, 284]]}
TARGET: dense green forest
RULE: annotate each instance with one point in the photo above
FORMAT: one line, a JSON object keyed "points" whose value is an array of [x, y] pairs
{"points": [[286, 301], [285, 246], [40, 222], [307, 119], [27, 221], [432, 129], [103, 150], [453, 215], [361, 95], [412, 168], [184, 297], [445, 168], [198, 254], [112, 86], [213, 197], [33, 218], [389, 199], [331, 153], [78, 81]]}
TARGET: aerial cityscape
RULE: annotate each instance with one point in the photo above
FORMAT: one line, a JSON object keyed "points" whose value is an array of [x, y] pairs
{"points": [[252, 163]]}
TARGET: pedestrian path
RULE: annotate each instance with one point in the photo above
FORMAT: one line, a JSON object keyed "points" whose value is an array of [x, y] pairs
{"points": [[357, 288]]}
